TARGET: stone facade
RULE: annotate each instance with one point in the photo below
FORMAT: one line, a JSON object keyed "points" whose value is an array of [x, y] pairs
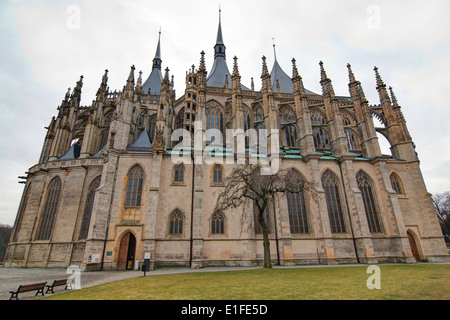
{"points": [[81, 191]]}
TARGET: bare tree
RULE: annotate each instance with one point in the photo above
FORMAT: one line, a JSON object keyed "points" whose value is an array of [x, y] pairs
{"points": [[246, 184], [441, 203]]}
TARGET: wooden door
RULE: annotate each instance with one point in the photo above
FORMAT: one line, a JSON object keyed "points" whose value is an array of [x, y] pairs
{"points": [[123, 252], [413, 245], [131, 252]]}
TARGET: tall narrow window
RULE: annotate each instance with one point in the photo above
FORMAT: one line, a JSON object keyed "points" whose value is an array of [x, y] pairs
{"points": [[289, 126], [365, 186], [22, 208], [214, 120], [260, 126], [218, 223], [49, 213], [335, 214], [352, 140], [319, 130], [217, 174], [134, 187], [178, 174], [396, 184], [88, 208], [152, 127], [297, 210], [176, 222]]}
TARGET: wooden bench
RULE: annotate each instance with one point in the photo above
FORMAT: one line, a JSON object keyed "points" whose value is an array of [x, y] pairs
{"points": [[29, 287], [56, 283]]}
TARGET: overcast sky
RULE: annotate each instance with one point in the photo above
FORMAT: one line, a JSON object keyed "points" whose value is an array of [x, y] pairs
{"points": [[45, 46]]}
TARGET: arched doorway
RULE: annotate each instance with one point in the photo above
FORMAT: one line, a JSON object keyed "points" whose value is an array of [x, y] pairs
{"points": [[413, 245], [127, 251]]}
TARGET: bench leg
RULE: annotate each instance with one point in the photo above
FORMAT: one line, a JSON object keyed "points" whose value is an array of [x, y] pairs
{"points": [[40, 291], [14, 295]]}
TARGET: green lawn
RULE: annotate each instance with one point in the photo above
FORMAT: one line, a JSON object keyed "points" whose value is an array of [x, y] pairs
{"points": [[398, 282]]}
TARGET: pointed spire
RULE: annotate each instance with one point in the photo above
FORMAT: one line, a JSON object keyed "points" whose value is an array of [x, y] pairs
{"points": [[297, 81], [235, 67], [219, 31], [157, 60], [266, 80], [351, 76], [274, 50], [393, 97], [294, 69], [323, 74], [380, 82], [202, 67], [76, 94], [265, 70], [130, 81], [219, 48], [327, 86], [103, 89], [381, 88]]}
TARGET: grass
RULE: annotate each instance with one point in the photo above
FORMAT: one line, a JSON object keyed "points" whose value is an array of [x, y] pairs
{"points": [[398, 282]]}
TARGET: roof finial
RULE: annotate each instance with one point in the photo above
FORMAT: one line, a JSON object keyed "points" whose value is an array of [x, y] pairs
{"points": [[274, 50]]}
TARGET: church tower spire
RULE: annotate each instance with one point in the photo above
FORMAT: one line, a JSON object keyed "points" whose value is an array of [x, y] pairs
{"points": [[219, 48], [153, 83]]}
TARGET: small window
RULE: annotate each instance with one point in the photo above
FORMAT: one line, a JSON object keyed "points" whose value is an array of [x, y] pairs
{"points": [[218, 223], [217, 174], [396, 184], [176, 222], [178, 174]]}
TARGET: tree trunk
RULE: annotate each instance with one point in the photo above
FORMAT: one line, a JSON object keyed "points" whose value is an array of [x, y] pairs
{"points": [[266, 242]]}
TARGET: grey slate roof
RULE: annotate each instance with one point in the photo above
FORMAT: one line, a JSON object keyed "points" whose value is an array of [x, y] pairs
{"points": [[153, 82], [218, 74], [142, 143], [73, 153], [284, 80]]}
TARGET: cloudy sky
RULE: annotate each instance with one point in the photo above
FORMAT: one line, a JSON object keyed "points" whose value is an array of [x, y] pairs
{"points": [[47, 45]]}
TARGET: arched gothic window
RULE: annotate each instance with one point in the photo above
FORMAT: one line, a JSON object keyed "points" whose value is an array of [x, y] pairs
{"points": [[152, 127], [260, 125], [178, 174], [21, 211], [107, 119], [217, 174], [103, 138], [218, 223], [247, 126], [49, 213], [319, 130], [396, 184], [335, 213], [214, 120], [88, 208], [176, 222], [289, 127], [134, 187], [370, 206], [352, 140], [297, 209]]}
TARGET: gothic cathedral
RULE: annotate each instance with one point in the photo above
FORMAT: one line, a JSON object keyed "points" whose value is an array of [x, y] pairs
{"points": [[106, 193]]}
